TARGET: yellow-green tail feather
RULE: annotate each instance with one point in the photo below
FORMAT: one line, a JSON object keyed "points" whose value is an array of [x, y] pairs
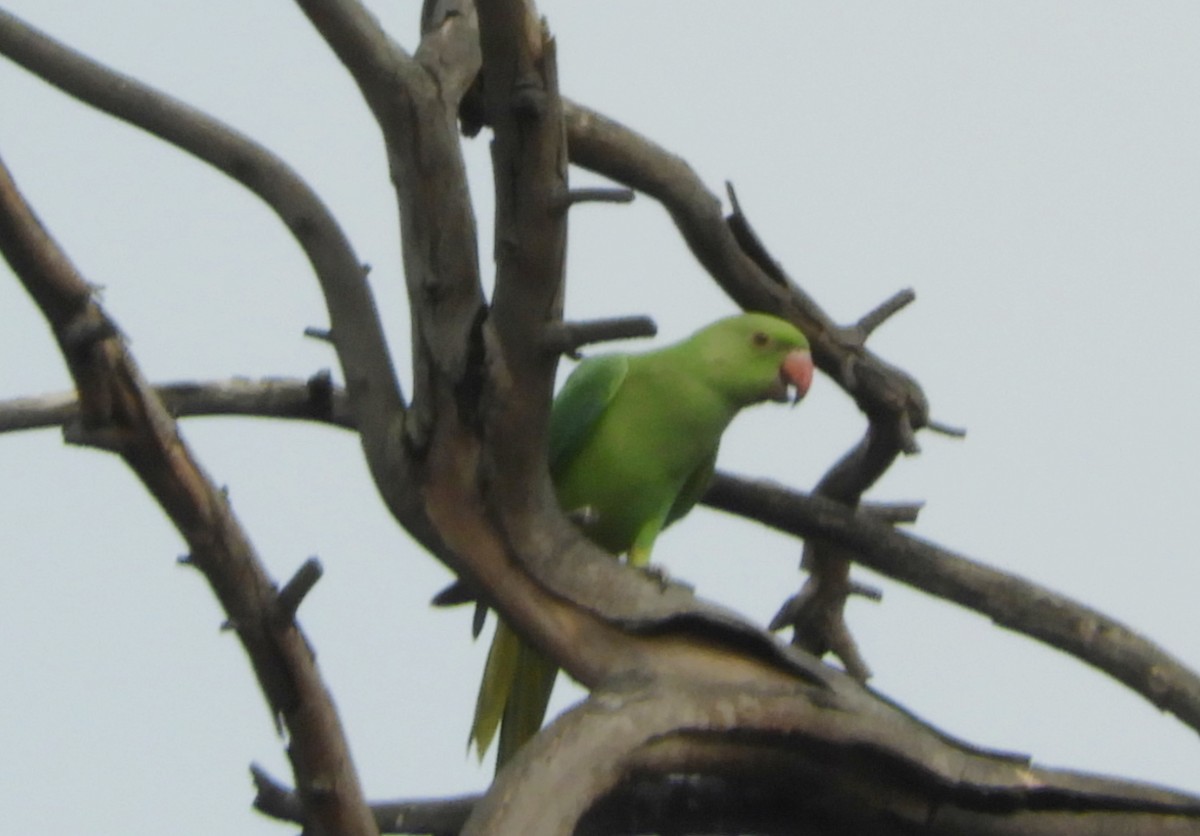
{"points": [[525, 710], [513, 695], [494, 688]]}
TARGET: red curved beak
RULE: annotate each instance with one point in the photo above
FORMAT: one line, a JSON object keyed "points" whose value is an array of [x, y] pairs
{"points": [[796, 373]]}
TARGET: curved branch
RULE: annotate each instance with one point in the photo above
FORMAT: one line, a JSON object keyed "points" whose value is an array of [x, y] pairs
{"points": [[414, 100], [606, 147], [357, 333], [817, 612], [712, 759], [119, 412]]}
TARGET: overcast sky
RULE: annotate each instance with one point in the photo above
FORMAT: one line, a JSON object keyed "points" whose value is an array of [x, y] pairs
{"points": [[1031, 169]]}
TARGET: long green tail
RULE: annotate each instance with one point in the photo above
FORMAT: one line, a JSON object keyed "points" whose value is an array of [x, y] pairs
{"points": [[513, 695]]}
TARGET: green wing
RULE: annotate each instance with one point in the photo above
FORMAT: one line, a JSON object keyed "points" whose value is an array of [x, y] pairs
{"points": [[584, 397], [693, 489], [518, 680]]}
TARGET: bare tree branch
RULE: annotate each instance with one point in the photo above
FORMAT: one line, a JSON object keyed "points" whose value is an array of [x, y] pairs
{"points": [[529, 165], [790, 791], [359, 340], [434, 816], [119, 411], [597, 195], [606, 147], [316, 399], [1010, 601], [414, 100], [822, 763], [357, 333], [569, 337]]}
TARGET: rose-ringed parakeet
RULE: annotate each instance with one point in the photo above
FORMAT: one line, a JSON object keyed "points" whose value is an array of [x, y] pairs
{"points": [[633, 442]]}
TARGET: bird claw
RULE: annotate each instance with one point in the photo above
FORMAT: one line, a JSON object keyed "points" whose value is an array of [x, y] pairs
{"points": [[658, 573]]}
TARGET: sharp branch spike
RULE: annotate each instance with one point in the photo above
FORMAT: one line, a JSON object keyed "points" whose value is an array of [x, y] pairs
{"points": [[568, 337], [300, 585]]}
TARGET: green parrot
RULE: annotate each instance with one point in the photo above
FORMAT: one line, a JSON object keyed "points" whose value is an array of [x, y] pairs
{"points": [[633, 443]]}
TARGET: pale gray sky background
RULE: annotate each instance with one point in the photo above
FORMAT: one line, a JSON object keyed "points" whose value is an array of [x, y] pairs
{"points": [[1032, 169]]}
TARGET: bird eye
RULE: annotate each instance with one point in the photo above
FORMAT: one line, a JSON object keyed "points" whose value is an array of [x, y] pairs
{"points": [[760, 338]]}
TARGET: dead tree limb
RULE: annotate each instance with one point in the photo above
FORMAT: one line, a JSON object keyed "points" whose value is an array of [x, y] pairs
{"points": [[118, 411]]}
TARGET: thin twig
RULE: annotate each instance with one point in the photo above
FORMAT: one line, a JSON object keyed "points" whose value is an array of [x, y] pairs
{"points": [[269, 398], [946, 429], [575, 197], [569, 337], [295, 590], [871, 320]]}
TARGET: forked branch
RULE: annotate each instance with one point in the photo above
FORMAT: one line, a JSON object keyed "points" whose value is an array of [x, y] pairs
{"points": [[121, 413]]}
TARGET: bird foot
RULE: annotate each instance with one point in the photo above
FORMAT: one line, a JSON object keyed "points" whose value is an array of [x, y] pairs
{"points": [[657, 573]]}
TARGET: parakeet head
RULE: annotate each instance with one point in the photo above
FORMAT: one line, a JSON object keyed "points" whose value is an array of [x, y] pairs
{"points": [[754, 357]]}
